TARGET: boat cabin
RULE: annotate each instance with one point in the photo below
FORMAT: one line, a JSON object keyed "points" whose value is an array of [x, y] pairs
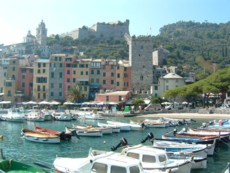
{"points": [[149, 157], [117, 163]]}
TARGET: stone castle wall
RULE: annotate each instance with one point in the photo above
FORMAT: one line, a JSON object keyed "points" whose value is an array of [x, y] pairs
{"points": [[102, 30]]}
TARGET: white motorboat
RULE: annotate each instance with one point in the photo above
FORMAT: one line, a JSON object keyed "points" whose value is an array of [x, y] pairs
{"points": [[157, 159], [102, 161], [115, 129], [123, 127], [85, 132], [35, 115], [15, 115], [104, 130], [61, 115]]}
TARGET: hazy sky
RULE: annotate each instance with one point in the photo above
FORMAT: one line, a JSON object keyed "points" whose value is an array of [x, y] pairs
{"points": [[146, 16]]}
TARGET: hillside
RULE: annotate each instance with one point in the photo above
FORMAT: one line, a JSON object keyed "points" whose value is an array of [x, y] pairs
{"points": [[199, 47]]}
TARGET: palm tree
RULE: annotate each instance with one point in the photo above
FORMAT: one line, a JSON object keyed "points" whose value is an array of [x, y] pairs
{"points": [[75, 93]]}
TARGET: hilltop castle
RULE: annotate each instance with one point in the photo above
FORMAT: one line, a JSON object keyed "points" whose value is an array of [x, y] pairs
{"points": [[115, 30]]}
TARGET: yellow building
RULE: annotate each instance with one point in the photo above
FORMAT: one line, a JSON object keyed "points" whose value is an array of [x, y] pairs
{"points": [[81, 75], [9, 69], [41, 79]]}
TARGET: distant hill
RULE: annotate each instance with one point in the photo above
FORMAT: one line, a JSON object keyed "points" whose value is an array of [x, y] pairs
{"points": [[198, 47]]}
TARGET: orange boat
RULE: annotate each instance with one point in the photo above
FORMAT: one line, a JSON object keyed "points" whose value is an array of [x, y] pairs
{"points": [[63, 135]]}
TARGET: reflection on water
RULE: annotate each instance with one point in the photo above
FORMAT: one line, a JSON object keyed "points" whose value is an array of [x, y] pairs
{"points": [[15, 147]]}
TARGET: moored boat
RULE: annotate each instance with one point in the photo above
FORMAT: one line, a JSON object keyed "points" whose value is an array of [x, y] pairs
{"points": [[85, 132], [15, 166], [63, 135], [39, 137]]}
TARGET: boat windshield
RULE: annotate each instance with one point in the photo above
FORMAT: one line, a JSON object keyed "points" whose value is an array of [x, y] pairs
{"points": [[134, 169], [99, 167], [148, 159], [118, 169]]}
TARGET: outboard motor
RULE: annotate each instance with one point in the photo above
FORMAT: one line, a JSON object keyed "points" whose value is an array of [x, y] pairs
{"points": [[142, 125], [123, 142], [174, 132], [150, 137], [75, 134]]}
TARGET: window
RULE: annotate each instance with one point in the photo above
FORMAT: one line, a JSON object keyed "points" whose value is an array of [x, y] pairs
{"points": [[52, 85], [104, 74], [118, 83], [112, 82], [43, 88], [104, 82], [44, 71], [134, 169], [60, 94], [86, 73], [39, 71], [118, 75], [60, 74], [82, 73], [60, 85], [9, 93], [52, 74], [99, 167], [38, 88], [155, 87], [51, 94], [68, 71], [98, 72], [44, 65], [116, 169], [112, 74], [92, 80], [23, 84], [148, 159], [68, 80], [107, 98], [92, 71], [162, 158]]}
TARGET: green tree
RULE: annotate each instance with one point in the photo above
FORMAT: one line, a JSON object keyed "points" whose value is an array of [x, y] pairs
{"points": [[75, 94]]}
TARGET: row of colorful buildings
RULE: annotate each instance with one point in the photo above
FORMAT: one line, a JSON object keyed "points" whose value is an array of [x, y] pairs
{"points": [[51, 79]]}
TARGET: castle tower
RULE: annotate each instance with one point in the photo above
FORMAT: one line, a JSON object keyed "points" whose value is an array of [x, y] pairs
{"points": [[41, 33], [140, 59]]}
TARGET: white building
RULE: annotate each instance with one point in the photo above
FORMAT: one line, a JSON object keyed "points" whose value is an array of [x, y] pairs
{"points": [[167, 82]]}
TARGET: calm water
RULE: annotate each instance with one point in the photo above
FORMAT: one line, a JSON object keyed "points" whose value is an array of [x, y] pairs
{"points": [[15, 147]]}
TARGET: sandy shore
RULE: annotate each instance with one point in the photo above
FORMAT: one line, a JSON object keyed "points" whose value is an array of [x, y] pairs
{"points": [[187, 115]]}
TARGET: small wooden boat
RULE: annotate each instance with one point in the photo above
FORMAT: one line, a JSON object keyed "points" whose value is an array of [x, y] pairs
{"points": [[63, 135], [15, 166], [104, 130], [39, 137], [85, 132]]}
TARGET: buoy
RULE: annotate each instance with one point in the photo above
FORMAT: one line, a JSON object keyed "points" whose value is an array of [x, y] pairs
{"points": [[104, 142]]}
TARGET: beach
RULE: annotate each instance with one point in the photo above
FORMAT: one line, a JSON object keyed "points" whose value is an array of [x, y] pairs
{"points": [[186, 115]]}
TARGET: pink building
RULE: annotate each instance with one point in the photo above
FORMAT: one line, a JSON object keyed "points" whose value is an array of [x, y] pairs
{"points": [[118, 97], [69, 71], [108, 75], [25, 82]]}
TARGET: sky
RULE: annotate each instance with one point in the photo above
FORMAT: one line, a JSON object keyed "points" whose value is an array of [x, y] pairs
{"points": [[146, 17]]}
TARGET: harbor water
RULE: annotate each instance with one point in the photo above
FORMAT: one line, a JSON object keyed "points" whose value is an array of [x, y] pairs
{"points": [[15, 147]]}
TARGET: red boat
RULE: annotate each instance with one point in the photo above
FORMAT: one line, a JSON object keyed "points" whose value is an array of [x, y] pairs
{"points": [[63, 135]]}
